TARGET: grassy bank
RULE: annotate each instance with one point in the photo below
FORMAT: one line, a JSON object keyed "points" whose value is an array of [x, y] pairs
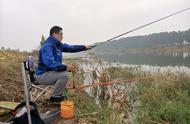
{"points": [[161, 101]]}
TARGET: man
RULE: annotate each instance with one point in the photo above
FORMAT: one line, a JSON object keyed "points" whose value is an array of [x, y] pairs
{"points": [[50, 69]]}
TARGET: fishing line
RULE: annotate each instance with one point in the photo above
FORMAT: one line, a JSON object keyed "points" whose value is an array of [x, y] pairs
{"points": [[145, 25]]}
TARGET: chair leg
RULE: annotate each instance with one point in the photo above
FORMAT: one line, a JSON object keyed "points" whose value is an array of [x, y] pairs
{"points": [[35, 90], [41, 88], [26, 94], [41, 93]]}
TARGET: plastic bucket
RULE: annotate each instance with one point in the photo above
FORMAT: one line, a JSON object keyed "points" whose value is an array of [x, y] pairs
{"points": [[67, 109]]}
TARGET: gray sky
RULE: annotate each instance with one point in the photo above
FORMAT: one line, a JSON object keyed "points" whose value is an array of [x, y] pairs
{"points": [[22, 22]]}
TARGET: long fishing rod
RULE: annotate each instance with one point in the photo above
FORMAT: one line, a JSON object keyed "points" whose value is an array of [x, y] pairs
{"points": [[145, 25], [116, 82]]}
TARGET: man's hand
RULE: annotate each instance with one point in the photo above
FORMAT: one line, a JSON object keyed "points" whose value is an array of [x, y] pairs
{"points": [[71, 68], [88, 47]]}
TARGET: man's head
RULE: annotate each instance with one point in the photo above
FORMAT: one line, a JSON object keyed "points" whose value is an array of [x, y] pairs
{"points": [[56, 31]]}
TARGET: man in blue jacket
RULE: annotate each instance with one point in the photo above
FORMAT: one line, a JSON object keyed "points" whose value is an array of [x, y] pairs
{"points": [[50, 69]]}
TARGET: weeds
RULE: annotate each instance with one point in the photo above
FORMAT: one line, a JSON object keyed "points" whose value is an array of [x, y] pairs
{"points": [[163, 101]]}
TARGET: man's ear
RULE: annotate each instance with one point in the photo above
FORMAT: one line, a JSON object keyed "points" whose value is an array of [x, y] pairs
{"points": [[54, 34]]}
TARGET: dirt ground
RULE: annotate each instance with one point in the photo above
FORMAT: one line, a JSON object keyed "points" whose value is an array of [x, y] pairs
{"points": [[10, 75]]}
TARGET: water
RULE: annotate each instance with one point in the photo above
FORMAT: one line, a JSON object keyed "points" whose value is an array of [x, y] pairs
{"points": [[175, 63], [154, 59]]}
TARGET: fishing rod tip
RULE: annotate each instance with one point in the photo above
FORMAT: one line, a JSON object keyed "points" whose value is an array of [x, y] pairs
{"points": [[94, 45]]}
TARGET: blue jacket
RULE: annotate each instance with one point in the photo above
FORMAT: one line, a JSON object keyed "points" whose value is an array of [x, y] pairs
{"points": [[50, 55]]}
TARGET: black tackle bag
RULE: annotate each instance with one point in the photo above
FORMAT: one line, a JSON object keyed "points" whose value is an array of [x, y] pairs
{"points": [[20, 114]]}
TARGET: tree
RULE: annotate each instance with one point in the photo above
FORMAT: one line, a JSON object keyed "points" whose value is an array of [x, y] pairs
{"points": [[2, 48], [42, 40]]}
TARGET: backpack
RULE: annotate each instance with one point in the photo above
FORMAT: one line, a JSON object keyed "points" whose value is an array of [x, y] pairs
{"points": [[29, 67], [21, 117]]}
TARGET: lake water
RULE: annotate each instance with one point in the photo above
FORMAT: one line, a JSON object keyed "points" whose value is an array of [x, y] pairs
{"points": [[153, 59], [169, 59]]}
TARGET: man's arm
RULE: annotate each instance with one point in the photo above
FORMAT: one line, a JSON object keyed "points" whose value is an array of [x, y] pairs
{"points": [[72, 48], [49, 61]]}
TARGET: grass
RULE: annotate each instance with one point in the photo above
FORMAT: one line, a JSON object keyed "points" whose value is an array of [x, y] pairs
{"points": [[119, 72], [109, 115], [87, 110], [163, 101]]}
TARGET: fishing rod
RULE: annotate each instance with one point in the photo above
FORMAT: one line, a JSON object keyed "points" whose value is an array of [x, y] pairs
{"points": [[145, 25], [115, 82]]}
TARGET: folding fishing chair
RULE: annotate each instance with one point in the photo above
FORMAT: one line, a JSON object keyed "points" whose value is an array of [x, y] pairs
{"points": [[35, 91]]}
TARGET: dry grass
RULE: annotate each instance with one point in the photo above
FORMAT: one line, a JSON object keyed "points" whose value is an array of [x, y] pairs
{"points": [[10, 74]]}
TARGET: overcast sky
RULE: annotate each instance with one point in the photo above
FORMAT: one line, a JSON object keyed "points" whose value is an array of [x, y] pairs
{"points": [[22, 22]]}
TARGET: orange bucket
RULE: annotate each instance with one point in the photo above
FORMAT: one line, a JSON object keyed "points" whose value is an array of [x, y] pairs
{"points": [[67, 109]]}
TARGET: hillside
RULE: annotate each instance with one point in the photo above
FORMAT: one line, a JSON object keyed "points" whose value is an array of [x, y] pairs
{"points": [[178, 39]]}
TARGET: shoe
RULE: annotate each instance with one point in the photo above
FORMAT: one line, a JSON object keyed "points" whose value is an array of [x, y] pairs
{"points": [[56, 98]]}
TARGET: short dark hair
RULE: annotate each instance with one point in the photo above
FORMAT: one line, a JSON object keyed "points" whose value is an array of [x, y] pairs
{"points": [[55, 29]]}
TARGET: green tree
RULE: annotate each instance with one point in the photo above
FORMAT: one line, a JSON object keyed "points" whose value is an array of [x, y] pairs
{"points": [[42, 40]]}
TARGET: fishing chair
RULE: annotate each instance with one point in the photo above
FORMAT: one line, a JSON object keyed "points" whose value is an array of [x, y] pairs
{"points": [[34, 90]]}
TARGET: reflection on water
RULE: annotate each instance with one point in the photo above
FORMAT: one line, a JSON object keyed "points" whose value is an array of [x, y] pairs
{"points": [[184, 55], [156, 59]]}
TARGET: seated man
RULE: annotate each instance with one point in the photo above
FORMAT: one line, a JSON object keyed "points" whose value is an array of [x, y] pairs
{"points": [[50, 69]]}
